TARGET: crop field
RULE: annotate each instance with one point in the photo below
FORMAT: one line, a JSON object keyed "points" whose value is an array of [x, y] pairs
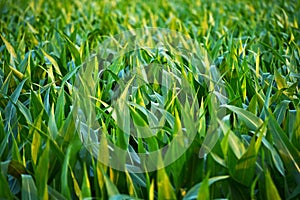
{"points": [[180, 99]]}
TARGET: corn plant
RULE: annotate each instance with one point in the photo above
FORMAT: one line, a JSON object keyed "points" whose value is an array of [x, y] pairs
{"points": [[245, 90]]}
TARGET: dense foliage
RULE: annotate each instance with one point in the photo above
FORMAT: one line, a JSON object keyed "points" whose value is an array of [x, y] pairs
{"points": [[254, 45]]}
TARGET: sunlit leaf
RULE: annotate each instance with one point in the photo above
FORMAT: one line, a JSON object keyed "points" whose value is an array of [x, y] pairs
{"points": [[271, 190], [164, 186]]}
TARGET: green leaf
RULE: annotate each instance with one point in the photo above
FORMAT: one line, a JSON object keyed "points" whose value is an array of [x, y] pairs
{"points": [[140, 123], [287, 149], [5, 192], [85, 188], [55, 194], [280, 111], [271, 190], [29, 191], [130, 185], [36, 138], [53, 61], [10, 110], [203, 192], [17, 73], [15, 151], [64, 175], [10, 49], [16, 94], [247, 117], [202, 123], [74, 51], [232, 140], [41, 173], [59, 109], [164, 186], [100, 177], [73, 148], [52, 128], [69, 75], [244, 170], [193, 192], [275, 156], [122, 114], [36, 104], [280, 81], [25, 111], [4, 137], [151, 191], [112, 190]]}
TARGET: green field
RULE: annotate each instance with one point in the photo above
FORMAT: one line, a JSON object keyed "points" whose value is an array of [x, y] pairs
{"points": [[247, 132]]}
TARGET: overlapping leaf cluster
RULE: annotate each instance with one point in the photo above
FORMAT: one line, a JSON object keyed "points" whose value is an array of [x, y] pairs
{"points": [[254, 45]]}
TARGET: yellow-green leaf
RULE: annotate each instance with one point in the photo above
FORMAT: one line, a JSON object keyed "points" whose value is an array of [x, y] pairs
{"points": [[9, 47], [271, 190]]}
